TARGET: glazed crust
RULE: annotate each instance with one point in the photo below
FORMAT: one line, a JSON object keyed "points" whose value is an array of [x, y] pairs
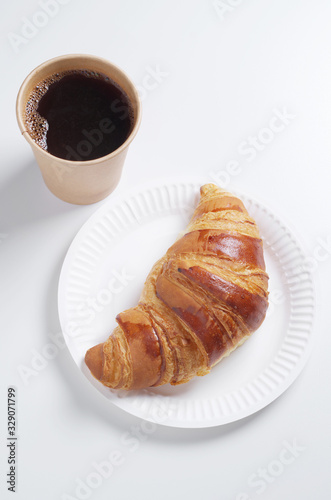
{"points": [[199, 302]]}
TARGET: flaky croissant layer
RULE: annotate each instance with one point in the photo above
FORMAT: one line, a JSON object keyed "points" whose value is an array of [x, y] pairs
{"points": [[199, 302]]}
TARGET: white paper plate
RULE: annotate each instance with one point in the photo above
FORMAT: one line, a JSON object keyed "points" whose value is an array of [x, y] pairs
{"points": [[103, 274]]}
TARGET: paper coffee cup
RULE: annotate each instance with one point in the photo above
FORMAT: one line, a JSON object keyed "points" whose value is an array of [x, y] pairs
{"points": [[79, 182]]}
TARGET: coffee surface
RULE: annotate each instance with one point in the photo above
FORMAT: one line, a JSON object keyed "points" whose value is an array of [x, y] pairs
{"points": [[79, 115]]}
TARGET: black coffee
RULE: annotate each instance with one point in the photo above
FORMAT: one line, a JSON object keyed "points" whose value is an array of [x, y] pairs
{"points": [[79, 115]]}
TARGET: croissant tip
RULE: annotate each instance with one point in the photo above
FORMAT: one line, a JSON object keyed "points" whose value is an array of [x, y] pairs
{"points": [[94, 361], [209, 188]]}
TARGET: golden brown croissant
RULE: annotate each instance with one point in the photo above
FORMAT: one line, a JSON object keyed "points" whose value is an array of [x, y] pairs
{"points": [[199, 302]]}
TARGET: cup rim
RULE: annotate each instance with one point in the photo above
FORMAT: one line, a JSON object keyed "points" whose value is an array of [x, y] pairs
{"points": [[90, 57]]}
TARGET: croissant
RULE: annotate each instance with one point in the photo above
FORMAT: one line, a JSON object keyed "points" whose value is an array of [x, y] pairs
{"points": [[200, 302]]}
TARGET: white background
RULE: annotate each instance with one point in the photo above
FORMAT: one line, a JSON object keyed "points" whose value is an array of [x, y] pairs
{"points": [[222, 78]]}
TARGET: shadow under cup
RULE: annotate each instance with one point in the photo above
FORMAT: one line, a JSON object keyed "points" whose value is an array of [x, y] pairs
{"points": [[79, 182]]}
